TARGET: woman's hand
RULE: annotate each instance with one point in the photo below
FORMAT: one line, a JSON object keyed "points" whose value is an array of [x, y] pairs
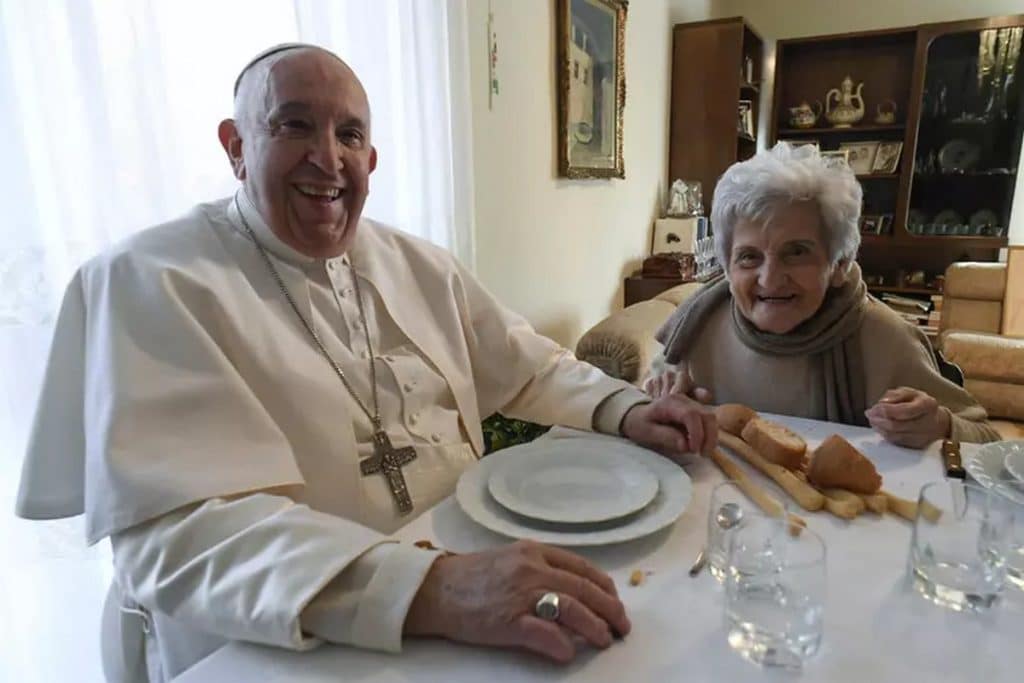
{"points": [[677, 380], [488, 598], [909, 417], [673, 425]]}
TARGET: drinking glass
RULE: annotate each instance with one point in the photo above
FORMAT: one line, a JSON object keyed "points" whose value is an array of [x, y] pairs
{"points": [[1013, 491], [729, 494], [775, 593], [959, 546]]}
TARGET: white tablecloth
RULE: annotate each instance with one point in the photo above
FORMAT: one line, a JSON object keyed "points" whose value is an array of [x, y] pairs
{"points": [[876, 628]]}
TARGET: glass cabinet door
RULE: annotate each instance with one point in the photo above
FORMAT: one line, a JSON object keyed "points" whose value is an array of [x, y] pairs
{"points": [[969, 135]]}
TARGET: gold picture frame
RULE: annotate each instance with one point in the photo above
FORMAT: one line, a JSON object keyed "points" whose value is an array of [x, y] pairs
{"points": [[591, 87]]}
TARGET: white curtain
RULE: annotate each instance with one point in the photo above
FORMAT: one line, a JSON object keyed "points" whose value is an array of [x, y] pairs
{"points": [[109, 111]]}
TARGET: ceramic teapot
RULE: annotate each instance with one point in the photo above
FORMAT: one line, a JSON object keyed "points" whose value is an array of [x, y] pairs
{"points": [[885, 113], [804, 116], [849, 107]]}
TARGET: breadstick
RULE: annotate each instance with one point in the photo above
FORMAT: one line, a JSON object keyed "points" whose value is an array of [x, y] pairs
{"points": [[802, 492], [876, 502], [907, 509], [768, 505], [842, 503]]}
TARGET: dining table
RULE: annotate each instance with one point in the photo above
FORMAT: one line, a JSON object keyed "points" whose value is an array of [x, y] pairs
{"points": [[876, 626]]}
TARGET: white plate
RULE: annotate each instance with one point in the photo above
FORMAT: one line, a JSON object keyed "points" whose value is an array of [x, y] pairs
{"points": [[987, 466], [571, 485], [674, 493]]}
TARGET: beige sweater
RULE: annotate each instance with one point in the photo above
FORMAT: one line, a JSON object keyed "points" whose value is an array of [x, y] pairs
{"points": [[895, 355]]}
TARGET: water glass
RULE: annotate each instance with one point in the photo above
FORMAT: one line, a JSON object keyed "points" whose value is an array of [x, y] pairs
{"points": [[728, 493], [959, 546], [1013, 491], [775, 593]]}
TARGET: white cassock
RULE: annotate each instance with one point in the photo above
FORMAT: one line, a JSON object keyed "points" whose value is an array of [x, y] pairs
{"points": [[187, 413]]}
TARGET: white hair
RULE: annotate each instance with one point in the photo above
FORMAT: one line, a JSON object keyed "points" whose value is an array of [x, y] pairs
{"points": [[753, 189]]}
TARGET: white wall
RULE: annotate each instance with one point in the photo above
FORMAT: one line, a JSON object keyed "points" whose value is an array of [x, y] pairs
{"points": [[552, 249], [778, 19]]}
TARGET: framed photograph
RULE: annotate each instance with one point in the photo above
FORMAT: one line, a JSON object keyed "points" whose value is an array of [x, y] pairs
{"points": [[745, 125], [840, 155], [591, 87], [887, 159], [861, 155]]}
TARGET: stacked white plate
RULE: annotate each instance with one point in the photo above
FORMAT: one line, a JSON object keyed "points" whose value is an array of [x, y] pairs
{"points": [[998, 461], [574, 489]]}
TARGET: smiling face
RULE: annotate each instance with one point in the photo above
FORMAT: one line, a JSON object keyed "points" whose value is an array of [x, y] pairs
{"points": [[300, 144], [779, 273]]}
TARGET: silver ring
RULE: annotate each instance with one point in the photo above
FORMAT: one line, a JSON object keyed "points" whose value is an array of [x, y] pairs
{"points": [[547, 607]]}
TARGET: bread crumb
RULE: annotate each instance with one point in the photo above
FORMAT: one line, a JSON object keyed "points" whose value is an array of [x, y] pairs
{"points": [[426, 545], [636, 578]]}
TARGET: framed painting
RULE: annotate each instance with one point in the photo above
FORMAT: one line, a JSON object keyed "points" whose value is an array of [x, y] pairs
{"points": [[591, 87]]}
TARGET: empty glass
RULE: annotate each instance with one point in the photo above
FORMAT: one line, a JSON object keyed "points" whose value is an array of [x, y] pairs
{"points": [[729, 509], [775, 593], [1014, 492], [959, 547]]}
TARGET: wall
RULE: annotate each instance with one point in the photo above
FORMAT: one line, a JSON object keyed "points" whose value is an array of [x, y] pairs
{"points": [[794, 18], [552, 249]]}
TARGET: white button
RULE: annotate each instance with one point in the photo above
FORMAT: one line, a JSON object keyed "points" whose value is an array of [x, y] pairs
{"points": [[435, 437], [407, 388], [330, 265], [341, 293], [414, 418]]}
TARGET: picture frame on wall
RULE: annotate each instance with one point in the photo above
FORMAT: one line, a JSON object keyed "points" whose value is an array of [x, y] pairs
{"points": [[591, 87], [800, 142], [887, 159], [838, 155], [861, 155]]}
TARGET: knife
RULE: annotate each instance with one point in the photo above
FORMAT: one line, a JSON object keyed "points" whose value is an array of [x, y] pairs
{"points": [[951, 459]]}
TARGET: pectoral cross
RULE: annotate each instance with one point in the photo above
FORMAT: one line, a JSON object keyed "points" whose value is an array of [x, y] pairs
{"points": [[389, 460]]}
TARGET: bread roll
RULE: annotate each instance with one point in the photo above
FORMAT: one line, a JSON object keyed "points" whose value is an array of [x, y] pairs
{"points": [[837, 464], [733, 417], [775, 443]]}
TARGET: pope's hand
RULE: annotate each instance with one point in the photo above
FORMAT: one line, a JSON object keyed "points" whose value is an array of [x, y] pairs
{"points": [[909, 417], [673, 425], [489, 598]]}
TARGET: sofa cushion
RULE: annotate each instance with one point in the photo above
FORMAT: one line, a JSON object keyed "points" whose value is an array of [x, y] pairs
{"points": [[623, 344], [999, 399], [970, 280], [680, 293], [986, 356], [971, 314]]}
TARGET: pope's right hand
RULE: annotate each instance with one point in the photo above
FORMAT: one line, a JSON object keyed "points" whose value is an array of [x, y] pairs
{"points": [[488, 598]]}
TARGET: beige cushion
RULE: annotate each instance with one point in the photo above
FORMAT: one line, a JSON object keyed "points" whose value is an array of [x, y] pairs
{"points": [[680, 293], [971, 314], [999, 399], [623, 344], [986, 356], [969, 280]]}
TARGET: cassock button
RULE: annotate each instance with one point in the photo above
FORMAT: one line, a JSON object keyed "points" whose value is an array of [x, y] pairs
{"points": [[330, 265], [414, 418], [435, 437], [407, 388]]}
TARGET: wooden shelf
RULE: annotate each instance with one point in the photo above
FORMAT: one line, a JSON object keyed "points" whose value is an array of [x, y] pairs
{"points": [[840, 131], [878, 176], [962, 241], [900, 289], [744, 136]]}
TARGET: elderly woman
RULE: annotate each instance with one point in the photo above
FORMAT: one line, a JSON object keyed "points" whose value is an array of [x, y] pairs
{"points": [[791, 329]]}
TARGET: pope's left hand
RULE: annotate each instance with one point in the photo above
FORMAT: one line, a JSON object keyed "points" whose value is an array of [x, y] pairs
{"points": [[909, 417], [673, 425]]}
